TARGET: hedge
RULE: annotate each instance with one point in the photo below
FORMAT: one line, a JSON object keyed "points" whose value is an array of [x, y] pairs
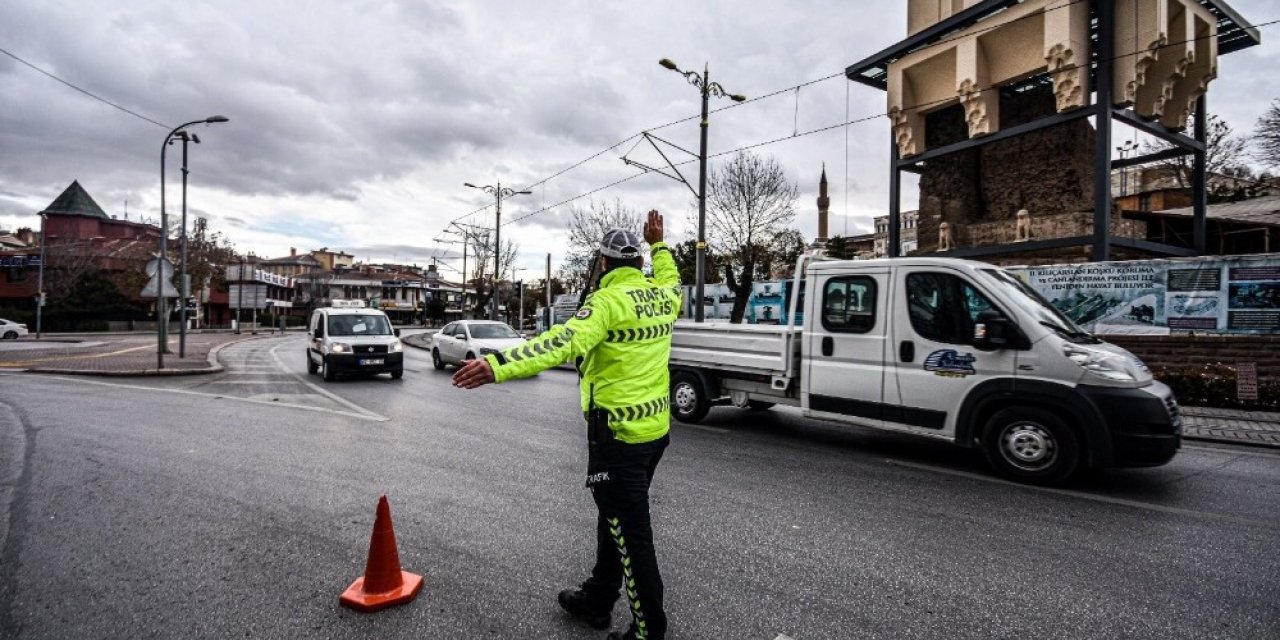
{"points": [[1214, 385]]}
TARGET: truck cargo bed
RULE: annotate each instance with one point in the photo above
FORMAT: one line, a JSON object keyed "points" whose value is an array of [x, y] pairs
{"points": [[756, 349]]}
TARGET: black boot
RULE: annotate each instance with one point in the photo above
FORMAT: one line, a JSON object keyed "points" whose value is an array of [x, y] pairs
{"points": [[629, 634], [581, 606]]}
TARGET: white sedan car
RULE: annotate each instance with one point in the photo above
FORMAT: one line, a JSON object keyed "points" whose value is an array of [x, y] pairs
{"points": [[10, 330], [471, 339]]}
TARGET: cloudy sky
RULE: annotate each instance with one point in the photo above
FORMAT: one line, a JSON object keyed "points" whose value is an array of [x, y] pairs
{"points": [[354, 124]]}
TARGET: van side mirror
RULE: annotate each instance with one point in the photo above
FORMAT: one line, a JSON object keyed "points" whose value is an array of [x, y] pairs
{"points": [[397, 332], [319, 333], [992, 331]]}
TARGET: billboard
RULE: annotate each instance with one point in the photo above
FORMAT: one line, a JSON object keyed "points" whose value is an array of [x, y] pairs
{"points": [[1237, 294]]}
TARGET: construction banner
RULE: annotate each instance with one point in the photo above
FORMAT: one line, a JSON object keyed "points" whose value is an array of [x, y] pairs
{"points": [[1158, 297]]}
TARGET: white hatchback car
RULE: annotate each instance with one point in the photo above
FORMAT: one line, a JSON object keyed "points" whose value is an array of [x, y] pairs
{"points": [[471, 339], [10, 330]]}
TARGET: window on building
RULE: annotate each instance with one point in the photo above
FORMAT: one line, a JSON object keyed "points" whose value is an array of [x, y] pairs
{"points": [[1144, 202]]}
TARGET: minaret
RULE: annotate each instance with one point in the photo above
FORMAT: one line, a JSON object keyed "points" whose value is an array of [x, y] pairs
{"points": [[823, 203]]}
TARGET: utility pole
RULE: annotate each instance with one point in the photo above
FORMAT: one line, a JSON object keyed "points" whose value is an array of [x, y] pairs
{"points": [[546, 312], [40, 280], [707, 88], [499, 192]]}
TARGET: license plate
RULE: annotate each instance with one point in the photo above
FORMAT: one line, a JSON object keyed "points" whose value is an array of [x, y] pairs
{"points": [[371, 361]]}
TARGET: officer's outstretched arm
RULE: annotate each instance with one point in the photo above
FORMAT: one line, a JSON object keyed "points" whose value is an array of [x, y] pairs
{"points": [[557, 345], [665, 273]]}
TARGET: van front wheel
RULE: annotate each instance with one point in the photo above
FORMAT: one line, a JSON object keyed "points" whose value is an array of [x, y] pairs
{"points": [[689, 402], [1031, 445]]}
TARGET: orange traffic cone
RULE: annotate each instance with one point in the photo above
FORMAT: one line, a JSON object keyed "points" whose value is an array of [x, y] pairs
{"points": [[384, 584]]}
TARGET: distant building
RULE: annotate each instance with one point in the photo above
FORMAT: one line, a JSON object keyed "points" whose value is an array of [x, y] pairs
{"points": [[79, 238], [907, 235]]}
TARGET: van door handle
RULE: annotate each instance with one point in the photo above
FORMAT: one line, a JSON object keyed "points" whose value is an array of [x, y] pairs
{"points": [[828, 345], [907, 351]]}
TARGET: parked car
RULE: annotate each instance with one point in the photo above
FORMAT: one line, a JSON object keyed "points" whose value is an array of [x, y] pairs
{"points": [[471, 339], [10, 330]]}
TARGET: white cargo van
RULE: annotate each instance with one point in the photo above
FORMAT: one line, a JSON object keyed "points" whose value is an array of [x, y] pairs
{"points": [[944, 348], [348, 338]]}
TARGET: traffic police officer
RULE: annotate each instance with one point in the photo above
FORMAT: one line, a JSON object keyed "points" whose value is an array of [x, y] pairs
{"points": [[623, 336]]}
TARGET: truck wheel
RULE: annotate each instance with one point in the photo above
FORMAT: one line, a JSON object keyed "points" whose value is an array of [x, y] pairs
{"points": [[326, 371], [311, 365], [759, 405], [689, 402], [1031, 445], [436, 361]]}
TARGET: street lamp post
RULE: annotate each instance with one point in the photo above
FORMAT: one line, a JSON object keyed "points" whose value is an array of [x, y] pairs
{"points": [[184, 285], [40, 278], [1125, 149], [499, 192], [162, 312], [707, 89]]}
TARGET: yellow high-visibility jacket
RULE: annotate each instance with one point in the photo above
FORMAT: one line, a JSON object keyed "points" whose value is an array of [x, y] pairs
{"points": [[623, 333]]}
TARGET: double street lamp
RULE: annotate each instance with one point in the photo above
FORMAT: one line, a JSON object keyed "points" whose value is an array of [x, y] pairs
{"points": [[499, 192], [162, 312], [708, 88], [1128, 147]]}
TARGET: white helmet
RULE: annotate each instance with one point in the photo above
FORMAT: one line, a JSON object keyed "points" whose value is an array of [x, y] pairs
{"points": [[620, 243]]}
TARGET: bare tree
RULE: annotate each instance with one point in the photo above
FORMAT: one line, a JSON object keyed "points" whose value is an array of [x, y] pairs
{"points": [[749, 203], [1267, 136], [66, 260], [1225, 152], [588, 225], [482, 247]]}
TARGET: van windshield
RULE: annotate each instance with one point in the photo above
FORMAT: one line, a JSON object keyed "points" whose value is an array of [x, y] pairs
{"points": [[359, 325], [1034, 304]]}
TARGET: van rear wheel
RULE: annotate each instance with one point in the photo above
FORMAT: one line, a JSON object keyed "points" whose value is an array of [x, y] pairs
{"points": [[689, 403], [1031, 445], [311, 365]]}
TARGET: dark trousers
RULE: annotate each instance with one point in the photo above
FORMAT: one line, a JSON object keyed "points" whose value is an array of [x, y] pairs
{"points": [[625, 557]]}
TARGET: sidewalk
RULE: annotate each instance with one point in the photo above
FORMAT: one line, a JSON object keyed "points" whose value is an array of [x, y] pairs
{"points": [[116, 354], [1257, 428]]}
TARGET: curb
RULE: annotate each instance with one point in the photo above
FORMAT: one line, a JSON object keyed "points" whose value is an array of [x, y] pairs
{"points": [[212, 359], [1236, 441]]}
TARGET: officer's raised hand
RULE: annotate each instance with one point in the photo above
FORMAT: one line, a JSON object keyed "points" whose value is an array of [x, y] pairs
{"points": [[472, 374], [653, 228]]}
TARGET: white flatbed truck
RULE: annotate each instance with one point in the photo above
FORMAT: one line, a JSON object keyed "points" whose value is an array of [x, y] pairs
{"points": [[943, 348]]}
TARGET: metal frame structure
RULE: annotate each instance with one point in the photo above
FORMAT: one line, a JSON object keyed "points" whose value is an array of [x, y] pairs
{"points": [[1233, 35]]}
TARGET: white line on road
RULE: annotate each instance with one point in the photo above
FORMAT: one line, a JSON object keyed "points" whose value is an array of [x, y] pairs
{"points": [[218, 396], [344, 402], [1085, 496], [701, 427]]}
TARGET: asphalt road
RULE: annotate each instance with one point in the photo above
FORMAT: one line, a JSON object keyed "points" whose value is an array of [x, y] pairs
{"points": [[240, 505]]}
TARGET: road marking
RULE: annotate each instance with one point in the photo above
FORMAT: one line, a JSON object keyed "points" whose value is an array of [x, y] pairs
{"points": [[78, 356], [702, 427], [1084, 496], [219, 396], [340, 400], [783, 636]]}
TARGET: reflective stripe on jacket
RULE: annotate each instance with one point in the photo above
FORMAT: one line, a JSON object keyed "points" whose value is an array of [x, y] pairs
{"points": [[623, 333]]}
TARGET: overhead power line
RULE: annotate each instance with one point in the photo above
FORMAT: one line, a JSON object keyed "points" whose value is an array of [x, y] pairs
{"points": [[868, 118], [85, 91]]}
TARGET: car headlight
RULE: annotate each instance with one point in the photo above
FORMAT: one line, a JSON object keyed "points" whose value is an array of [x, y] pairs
{"points": [[397, 346], [339, 347], [1112, 366]]}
